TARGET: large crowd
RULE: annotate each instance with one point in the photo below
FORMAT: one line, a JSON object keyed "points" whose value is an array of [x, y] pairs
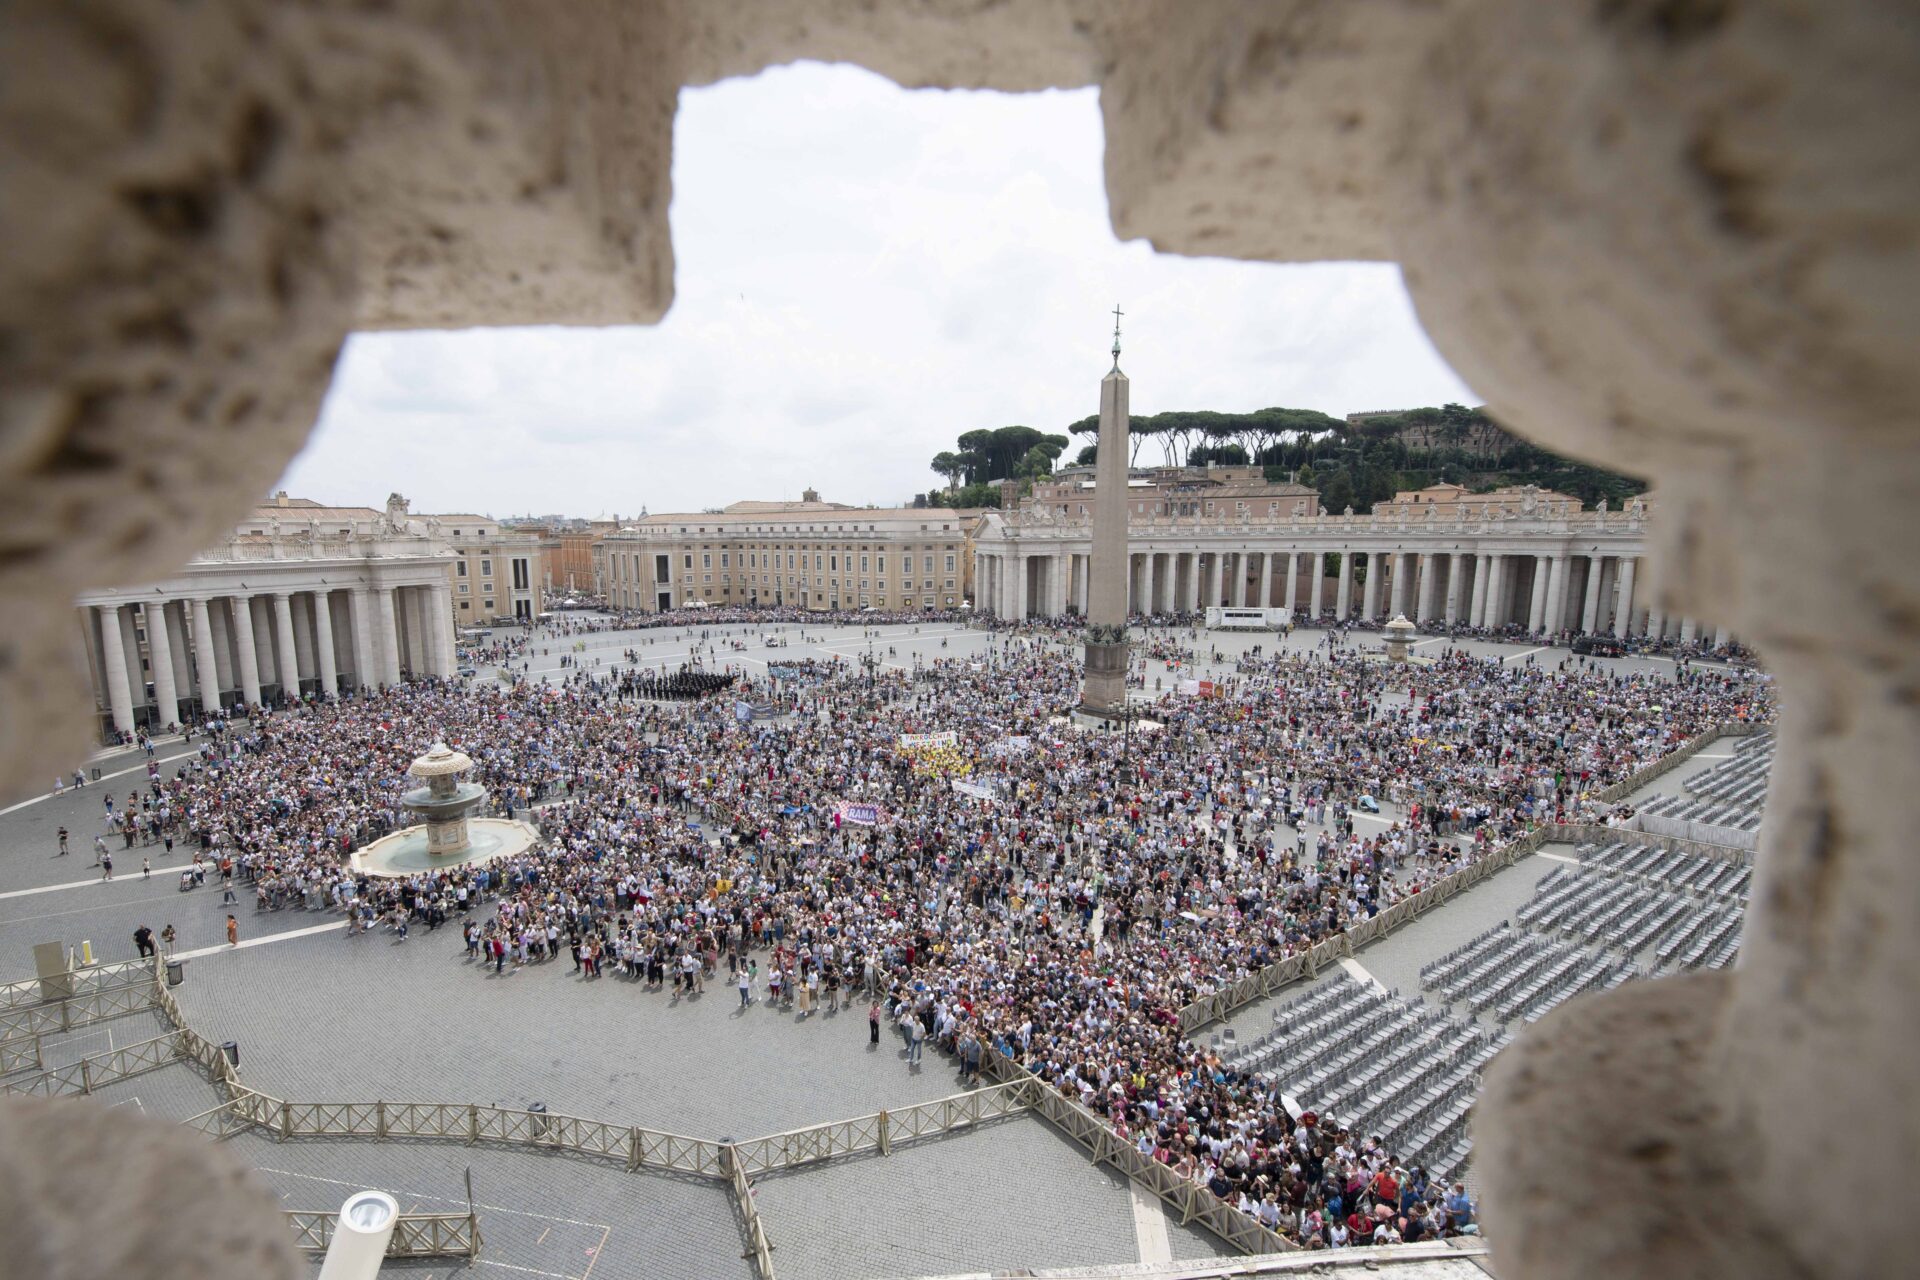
{"points": [[1025, 889]]}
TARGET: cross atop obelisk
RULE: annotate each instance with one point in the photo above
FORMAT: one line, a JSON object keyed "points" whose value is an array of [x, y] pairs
{"points": [[1104, 691]]}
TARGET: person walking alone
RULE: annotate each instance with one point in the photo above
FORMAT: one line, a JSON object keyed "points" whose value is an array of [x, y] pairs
{"points": [[233, 932], [873, 1024], [746, 987]]}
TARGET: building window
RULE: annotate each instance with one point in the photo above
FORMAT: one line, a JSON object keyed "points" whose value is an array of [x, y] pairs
{"points": [[460, 568], [464, 588], [466, 604], [689, 560], [706, 561], [660, 565], [949, 564], [486, 568]]}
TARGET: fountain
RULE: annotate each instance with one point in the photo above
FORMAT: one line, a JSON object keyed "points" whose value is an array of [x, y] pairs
{"points": [[449, 836], [1399, 635]]}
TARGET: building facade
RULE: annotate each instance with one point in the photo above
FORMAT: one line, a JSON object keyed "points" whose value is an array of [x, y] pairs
{"points": [[1178, 491], [1530, 560], [495, 572], [301, 599], [808, 554]]}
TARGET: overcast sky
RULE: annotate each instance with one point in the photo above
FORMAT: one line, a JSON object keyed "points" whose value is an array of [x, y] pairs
{"points": [[862, 273]]}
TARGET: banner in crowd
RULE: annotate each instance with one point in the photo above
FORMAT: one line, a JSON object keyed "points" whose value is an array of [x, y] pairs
{"points": [[945, 738], [863, 815], [1014, 745], [978, 790], [1187, 688]]}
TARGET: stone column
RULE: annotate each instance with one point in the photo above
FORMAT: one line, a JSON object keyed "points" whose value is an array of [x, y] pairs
{"points": [[1603, 621], [1496, 585], [1557, 595], [1293, 583], [1316, 581], [366, 654], [1429, 583], [1103, 688], [220, 613], [247, 651], [1195, 582], [1343, 605], [1719, 637], [440, 600], [1376, 570], [387, 637], [1216, 579], [283, 635], [206, 667], [1022, 585], [113, 665], [1537, 594], [1623, 616], [1456, 574], [1477, 609], [1590, 614], [323, 642], [1688, 630], [166, 693]]}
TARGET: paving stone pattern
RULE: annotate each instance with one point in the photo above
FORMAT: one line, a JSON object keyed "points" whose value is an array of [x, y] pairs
{"points": [[1017, 1195]]}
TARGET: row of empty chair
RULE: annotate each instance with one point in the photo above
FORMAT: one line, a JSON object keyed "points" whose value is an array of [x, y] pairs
{"points": [[1723, 805], [1377, 1063], [1728, 877]]}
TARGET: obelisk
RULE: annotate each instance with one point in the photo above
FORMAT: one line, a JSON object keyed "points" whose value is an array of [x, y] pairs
{"points": [[1104, 692]]}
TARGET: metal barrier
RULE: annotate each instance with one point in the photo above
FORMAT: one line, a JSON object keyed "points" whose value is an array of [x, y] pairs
{"points": [[415, 1235], [97, 1005], [883, 1130]]}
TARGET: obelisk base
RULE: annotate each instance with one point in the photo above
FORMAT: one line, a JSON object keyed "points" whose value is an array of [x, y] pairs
{"points": [[1104, 691]]}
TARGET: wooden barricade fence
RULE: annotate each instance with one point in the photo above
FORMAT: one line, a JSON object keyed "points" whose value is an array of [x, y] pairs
{"points": [[101, 1069], [1190, 1201], [759, 1251], [883, 1130], [14, 995], [415, 1235], [21, 1053], [97, 1005]]}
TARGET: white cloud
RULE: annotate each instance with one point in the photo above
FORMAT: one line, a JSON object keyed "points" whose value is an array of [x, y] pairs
{"points": [[863, 273]]}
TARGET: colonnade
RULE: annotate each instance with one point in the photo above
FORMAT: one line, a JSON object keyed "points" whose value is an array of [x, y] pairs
{"points": [[1553, 593], [252, 647]]}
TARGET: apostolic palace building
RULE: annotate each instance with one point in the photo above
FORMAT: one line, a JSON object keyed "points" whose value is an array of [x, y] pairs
{"points": [[807, 554]]}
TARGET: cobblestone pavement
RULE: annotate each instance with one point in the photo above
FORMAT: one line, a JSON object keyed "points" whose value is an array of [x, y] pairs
{"points": [[549, 1215], [1015, 1195], [333, 1017]]}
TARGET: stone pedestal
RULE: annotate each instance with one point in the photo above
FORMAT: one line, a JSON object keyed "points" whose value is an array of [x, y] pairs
{"points": [[1105, 687]]}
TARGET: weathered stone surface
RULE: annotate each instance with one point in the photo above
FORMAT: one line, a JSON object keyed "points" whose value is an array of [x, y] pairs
{"points": [[87, 1191]]}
